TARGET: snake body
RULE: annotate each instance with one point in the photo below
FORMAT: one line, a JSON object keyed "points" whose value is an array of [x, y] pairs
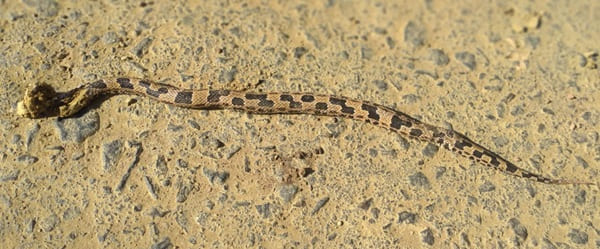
{"points": [[43, 101]]}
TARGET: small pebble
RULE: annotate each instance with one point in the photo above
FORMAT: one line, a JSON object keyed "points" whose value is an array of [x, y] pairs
{"points": [[532, 41], [287, 192], [500, 141], [578, 237], [46, 8], [49, 223], [517, 110], [366, 53], [111, 153], [467, 59], [430, 150], [13, 175], [427, 236], [319, 205], [27, 159], [183, 192], [29, 225], [214, 176], [390, 42], [182, 220], [182, 163], [486, 187], [439, 171], [264, 210], [150, 187], [375, 212], [71, 212], [78, 128], [299, 52], [194, 124], [228, 76], [202, 218], [582, 162], [381, 85], [406, 217], [465, 239], [365, 205], [142, 47], [31, 134], [41, 48], [419, 180], [209, 204], [174, 128], [520, 230], [438, 57], [110, 38], [163, 244], [580, 197], [154, 212], [161, 164], [414, 34], [410, 98], [102, 236]]}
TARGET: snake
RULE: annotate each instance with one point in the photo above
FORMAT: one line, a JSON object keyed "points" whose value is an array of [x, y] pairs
{"points": [[41, 100]]}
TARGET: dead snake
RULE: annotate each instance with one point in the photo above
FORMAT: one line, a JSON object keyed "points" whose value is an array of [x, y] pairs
{"points": [[43, 101]]}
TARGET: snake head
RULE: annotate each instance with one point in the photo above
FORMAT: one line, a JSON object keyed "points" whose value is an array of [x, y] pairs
{"points": [[40, 101]]}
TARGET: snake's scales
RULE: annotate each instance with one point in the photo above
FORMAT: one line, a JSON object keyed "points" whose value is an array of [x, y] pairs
{"points": [[42, 101]]}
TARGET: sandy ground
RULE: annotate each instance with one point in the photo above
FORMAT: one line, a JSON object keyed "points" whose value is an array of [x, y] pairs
{"points": [[520, 77]]}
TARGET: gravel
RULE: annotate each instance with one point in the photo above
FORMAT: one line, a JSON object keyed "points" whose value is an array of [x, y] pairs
{"points": [[77, 129]]}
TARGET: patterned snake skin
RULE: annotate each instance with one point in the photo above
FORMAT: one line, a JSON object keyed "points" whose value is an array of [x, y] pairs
{"points": [[42, 101]]}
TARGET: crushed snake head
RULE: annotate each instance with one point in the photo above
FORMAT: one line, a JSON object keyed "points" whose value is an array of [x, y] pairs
{"points": [[39, 101]]}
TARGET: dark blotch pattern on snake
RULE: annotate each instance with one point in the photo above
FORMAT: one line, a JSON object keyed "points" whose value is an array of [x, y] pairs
{"points": [[43, 101]]}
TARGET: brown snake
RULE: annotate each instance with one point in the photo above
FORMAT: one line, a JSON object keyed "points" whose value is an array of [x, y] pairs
{"points": [[43, 101]]}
